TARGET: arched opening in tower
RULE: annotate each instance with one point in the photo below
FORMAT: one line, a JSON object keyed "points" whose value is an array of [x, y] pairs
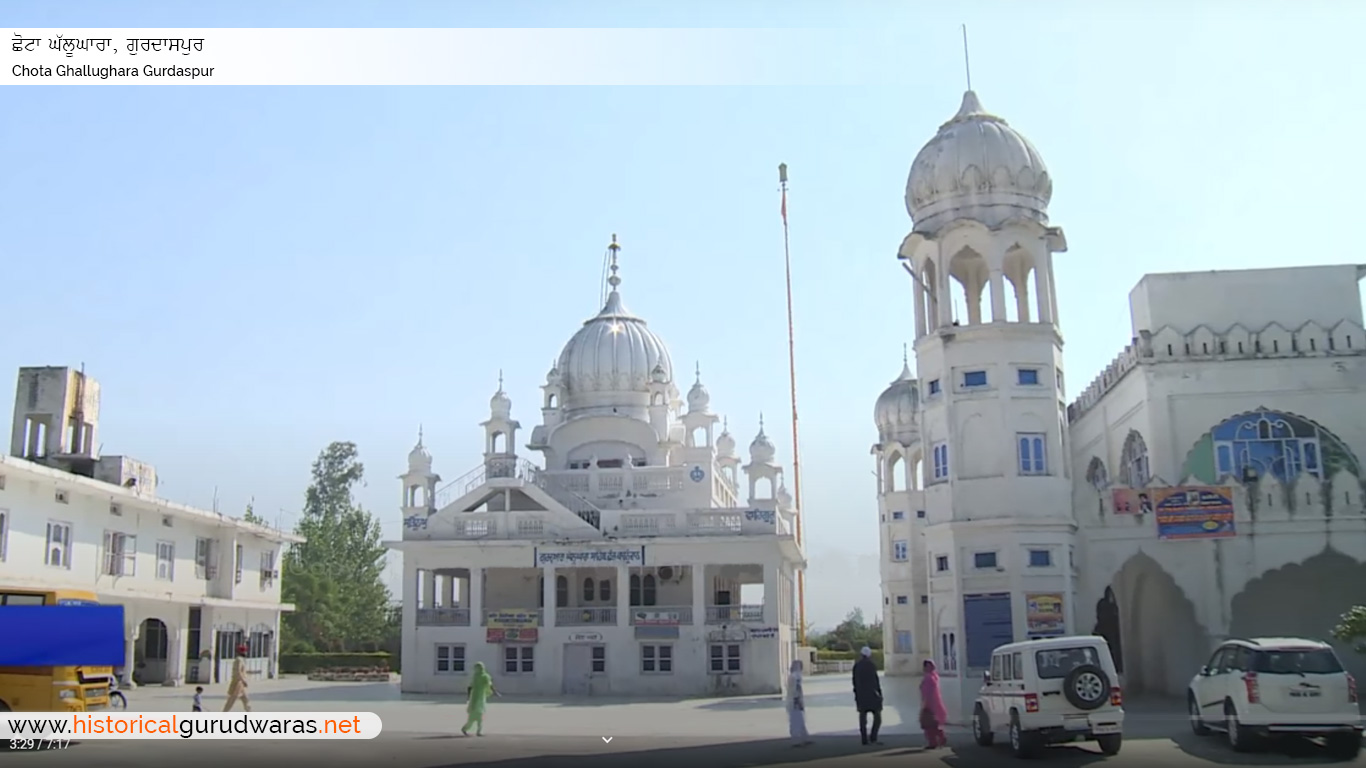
{"points": [[971, 299], [1161, 643], [896, 469], [1022, 297], [1304, 600]]}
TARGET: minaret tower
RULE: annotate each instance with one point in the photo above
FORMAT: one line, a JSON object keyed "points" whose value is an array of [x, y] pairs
{"points": [[500, 435], [998, 495], [761, 467], [419, 483]]}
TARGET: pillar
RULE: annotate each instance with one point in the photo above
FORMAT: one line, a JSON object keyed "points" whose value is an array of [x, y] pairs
{"points": [[1043, 285], [548, 614], [428, 588], [447, 590], [699, 594], [476, 596], [998, 296], [623, 595], [771, 596], [275, 646], [130, 643], [408, 630], [175, 654], [919, 291]]}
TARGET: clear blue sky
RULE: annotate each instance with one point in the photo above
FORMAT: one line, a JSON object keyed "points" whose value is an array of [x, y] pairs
{"points": [[254, 272]]}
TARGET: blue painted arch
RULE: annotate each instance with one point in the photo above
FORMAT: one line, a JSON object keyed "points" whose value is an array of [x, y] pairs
{"points": [[1267, 442]]}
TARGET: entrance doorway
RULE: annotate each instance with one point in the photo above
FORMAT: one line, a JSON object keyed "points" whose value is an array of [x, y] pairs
{"points": [[578, 670]]}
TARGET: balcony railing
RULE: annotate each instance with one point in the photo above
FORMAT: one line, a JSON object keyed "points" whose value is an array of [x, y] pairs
{"points": [[443, 617], [585, 617], [730, 614], [643, 615]]}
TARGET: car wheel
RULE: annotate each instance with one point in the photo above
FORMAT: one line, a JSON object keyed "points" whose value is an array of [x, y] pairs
{"points": [[1197, 725], [1087, 687], [1022, 743], [1240, 739], [981, 727], [1110, 743], [1344, 746]]}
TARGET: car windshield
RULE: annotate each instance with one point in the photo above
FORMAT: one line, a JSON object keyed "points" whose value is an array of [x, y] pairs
{"points": [[1296, 661], [1058, 662]]}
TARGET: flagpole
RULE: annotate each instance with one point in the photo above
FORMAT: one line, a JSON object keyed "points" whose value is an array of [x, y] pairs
{"points": [[792, 381]]}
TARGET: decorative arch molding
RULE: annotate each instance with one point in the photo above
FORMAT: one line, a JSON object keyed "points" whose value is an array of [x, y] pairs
{"points": [[1154, 627], [1096, 475], [1328, 556], [1114, 567], [1135, 469], [1279, 443]]}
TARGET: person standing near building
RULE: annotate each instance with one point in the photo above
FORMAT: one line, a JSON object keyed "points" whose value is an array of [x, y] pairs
{"points": [[796, 706], [868, 696], [933, 714], [237, 683], [481, 687]]}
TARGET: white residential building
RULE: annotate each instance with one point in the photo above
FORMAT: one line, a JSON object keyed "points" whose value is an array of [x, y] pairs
{"points": [[1206, 485], [640, 559], [194, 584]]}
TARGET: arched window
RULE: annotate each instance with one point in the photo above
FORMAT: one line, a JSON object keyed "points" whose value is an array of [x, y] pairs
{"points": [[1096, 474], [1267, 443], [635, 589], [648, 591], [588, 590], [1133, 461], [561, 592], [605, 590]]}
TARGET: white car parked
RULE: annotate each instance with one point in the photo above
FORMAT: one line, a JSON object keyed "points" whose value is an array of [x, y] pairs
{"points": [[1251, 689], [1051, 691]]}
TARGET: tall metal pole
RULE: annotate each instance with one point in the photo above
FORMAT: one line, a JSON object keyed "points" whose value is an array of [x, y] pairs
{"points": [[792, 380]]}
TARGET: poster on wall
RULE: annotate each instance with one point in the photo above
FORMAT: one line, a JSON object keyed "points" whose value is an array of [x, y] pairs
{"points": [[588, 555], [1044, 614], [512, 619], [1193, 512], [522, 635], [1132, 501]]}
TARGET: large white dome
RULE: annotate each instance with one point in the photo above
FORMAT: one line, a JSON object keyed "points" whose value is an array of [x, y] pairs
{"points": [[612, 360], [977, 166]]}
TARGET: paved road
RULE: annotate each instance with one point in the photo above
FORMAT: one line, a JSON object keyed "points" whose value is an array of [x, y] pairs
{"points": [[715, 733]]}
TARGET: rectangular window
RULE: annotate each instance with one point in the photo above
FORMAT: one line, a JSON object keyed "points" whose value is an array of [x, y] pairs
{"points": [[1027, 377], [657, 659], [599, 659], [1040, 558], [974, 378], [725, 659], [519, 659], [924, 599], [903, 641], [898, 515], [165, 561], [900, 550], [984, 559], [267, 568], [934, 386], [120, 554], [920, 513], [237, 572], [4, 533], [202, 548], [58, 553], [941, 563], [450, 659], [1031, 453], [903, 600], [941, 461]]}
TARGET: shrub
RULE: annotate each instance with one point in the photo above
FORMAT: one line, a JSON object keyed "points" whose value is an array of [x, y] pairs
{"points": [[303, 663]]}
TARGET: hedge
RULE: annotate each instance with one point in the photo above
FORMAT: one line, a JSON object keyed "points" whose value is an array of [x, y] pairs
{"points": [[303, 663], [824, 655]]}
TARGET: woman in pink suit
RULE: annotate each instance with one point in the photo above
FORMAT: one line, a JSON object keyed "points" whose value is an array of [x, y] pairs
{"points": [[933, 714]]}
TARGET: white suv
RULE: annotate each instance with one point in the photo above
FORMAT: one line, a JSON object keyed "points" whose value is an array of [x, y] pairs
{"points": [[1051, 691], [1251, 689]]}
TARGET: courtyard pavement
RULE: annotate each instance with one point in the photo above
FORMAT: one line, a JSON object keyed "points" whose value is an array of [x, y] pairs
{"points": [[423, 732]]}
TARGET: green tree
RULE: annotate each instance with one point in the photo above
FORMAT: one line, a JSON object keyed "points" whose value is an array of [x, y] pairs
{"points": [[1351, 628], [336, 576], [250, 515]]}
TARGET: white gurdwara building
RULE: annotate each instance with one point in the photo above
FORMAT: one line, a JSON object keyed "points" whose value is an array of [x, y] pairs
{"points": [[640, 559], [1207, 485], [194, 584]]}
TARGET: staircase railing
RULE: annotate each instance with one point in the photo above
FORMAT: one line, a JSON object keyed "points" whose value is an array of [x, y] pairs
{"points": [[513, 467], [585, 509]]}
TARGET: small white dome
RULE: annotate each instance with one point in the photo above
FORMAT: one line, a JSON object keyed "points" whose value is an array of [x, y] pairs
{"points": [[762, 451], [500, 405], [725, 443], [698, 397], [897, 412], [419, 460], [977, 166], [784, 498], [553, 376]]}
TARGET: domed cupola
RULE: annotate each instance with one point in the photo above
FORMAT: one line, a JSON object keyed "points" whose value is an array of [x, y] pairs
{"points": [[553, 376], [698, 397], [762, 451], [725, 444], [977, 167], [419, 460], [611, 361], [500, 405], [897, 412]]}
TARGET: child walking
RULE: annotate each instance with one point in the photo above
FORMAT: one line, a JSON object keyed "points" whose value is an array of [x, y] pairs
{"points": [[481, 687], [198, 699]]}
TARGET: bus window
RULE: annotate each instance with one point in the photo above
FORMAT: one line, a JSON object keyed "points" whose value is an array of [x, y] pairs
{"points": [[19, 598]]}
